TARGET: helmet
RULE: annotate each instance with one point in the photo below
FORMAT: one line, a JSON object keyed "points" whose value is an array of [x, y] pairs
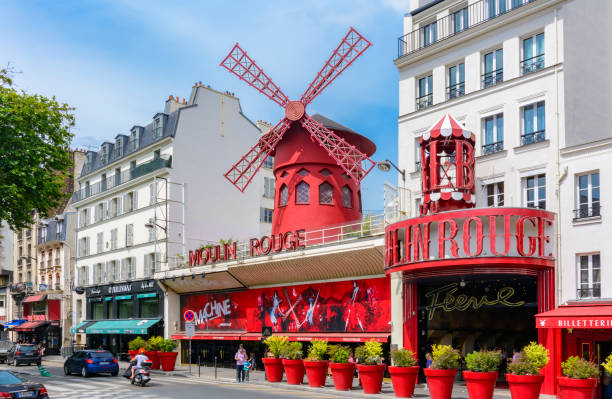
{"points": [[141, 350]]}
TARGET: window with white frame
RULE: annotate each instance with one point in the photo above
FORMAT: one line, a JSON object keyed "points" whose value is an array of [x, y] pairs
{"points": [[265, 215], [587, 195], [157, 128], [424, 92], [100, 242], [429, 33], [129, 235], [134, 140], [84, 217], [460, 20], [533, 54], [112, 274], [495, 193], [127, 268], [493, 66], [534, 191], [114, 207], [104, 154], [113, 240], [118, 148], [534, 123], [456, 81], [268, 187], [269, 162], [589, 278], [495, 7], [98, 273], [493, 134], [99, 212], [130, 201], [84, 246]]}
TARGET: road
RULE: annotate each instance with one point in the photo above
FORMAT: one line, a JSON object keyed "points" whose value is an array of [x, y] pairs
{"points": [[160, 387]]}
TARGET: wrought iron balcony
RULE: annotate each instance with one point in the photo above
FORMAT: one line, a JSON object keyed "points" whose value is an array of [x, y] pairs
{"points": [[587, 212], [492, 148], [424, 101], [478, 13], [592, 292], [124, 177], [492, 78], [533, 137], [532, 64], [455, 91]]}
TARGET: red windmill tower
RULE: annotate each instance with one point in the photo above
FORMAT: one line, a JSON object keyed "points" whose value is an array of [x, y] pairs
{"points": [[318, 163]]}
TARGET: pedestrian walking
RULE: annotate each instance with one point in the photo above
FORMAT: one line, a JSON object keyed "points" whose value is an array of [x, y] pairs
{"points": [[240, 358]]}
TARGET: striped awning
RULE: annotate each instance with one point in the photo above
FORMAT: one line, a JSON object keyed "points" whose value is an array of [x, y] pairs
{"points": [[446, 127]]}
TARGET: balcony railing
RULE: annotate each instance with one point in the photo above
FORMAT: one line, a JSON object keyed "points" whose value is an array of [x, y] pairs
{"points": [[124, 177], [533, 137], [455, 91], [492, 78], [492, 148], [587, 212], [424, 101], [532, 64], [592, 292], [478, 13]]}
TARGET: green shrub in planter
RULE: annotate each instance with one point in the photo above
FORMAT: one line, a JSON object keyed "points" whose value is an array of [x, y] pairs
{"points": [[293, 351], [154, 343], [276, 344], [530, 361], [317, 350], [167, 345], [578, 368], [607, 365], [339, 353], [445, 357], [403, 358], [369, 353], [483, 361], [137, 343]]}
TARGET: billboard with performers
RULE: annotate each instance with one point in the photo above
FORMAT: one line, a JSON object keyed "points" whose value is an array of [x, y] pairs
{"points": [[344, 306]]}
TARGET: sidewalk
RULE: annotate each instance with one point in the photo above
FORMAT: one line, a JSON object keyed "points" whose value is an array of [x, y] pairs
{"points": [[225, 375]]}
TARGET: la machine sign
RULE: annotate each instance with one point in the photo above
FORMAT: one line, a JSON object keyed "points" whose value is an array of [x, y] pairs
{"points": [[265, 245]]}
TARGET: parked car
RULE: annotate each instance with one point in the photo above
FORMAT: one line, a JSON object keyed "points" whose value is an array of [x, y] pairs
{"points": [[23, 354], [5, 346], [14, 386], [88, 362]]}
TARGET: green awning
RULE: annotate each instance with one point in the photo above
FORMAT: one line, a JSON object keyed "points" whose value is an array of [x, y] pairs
{"points": [[149, 295], [123, 297], [126, 326], [94, 300], [73, 329], [108, 298], [81, 327]]}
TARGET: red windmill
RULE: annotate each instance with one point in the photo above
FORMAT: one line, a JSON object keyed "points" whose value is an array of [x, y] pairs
{"points": [[318, 164]]}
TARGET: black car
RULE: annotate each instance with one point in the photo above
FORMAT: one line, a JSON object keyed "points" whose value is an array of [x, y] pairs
{"points": [[14, 386], [23, 354]]}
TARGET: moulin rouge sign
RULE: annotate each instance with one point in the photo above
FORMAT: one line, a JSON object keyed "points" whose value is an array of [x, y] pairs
{"points": [[265, 245], [471, 233]]}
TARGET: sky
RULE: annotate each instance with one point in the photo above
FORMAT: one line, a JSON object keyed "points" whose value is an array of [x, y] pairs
{"points": [[116, 62]]}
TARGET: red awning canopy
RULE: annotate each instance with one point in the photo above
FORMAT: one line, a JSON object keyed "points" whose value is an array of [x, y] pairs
{"points": [[303, 336], [577, 316], [35, 298], [220, 336], [30, 325]]}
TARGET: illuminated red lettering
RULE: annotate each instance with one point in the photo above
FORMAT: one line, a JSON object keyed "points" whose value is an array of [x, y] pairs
{"points": [[289, 240], [493, 235], [254, 249], [467, 236], [266, 245], [300, 238], [420, 242], [520, 236], [454, 248], [229, 251]]}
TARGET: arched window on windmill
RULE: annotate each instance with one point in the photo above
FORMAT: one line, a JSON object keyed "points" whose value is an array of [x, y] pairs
{"points": [[326, 194], [283, 197], [347, 197], [302, 193]]}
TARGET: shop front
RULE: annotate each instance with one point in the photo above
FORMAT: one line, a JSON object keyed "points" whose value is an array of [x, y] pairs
{"points": [[42, 314], [347, 312], [118, 313]]}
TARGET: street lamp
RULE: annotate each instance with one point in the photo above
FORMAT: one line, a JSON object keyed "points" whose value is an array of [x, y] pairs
{"points": [[151, 225], [385, 166]]}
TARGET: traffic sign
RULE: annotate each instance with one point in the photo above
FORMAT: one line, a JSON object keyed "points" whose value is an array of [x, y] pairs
{"points": [[189, 329], [189, 316]]}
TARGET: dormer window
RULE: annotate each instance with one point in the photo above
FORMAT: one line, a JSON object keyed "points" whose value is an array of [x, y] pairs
{"points": [[158, 126], [118, 148], [134, 140], [104, 154]]}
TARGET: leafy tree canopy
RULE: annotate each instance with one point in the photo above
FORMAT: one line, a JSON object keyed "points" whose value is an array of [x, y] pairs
{"points": [[34, 154]]}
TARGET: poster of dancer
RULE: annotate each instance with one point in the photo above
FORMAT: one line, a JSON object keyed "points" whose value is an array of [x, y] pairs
{"points": [[345, 306]]}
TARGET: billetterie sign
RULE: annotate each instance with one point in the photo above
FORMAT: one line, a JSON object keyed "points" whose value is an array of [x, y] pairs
{"points": [[470, 233], [275, 243]]}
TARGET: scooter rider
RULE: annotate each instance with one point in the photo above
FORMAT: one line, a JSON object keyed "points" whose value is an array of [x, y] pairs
{"points": [[140, 357]]}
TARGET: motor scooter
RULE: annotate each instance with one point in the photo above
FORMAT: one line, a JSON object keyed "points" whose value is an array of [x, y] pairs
{"points": [[141, 376]]}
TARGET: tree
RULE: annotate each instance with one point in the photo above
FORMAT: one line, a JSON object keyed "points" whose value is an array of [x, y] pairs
{"points": [[34, 153]]}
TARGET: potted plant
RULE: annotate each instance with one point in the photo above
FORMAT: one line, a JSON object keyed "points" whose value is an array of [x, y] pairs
{"points": [[441, 375], [580, 378], [342, 370], [273, 365], [523, 375], [404, 372], [481, 373], [371, 367], [153, 347], [134, 345], [315, 364], [167, 356], [294, 366]]}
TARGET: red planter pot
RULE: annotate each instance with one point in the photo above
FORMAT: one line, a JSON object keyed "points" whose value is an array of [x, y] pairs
{"points": [[480, 385], [294, 370], [403, 380], [342, 373], [371, 377], [274, 369], [167, 360], [573, 388], [132, 354], [316, 371], [154, 358], [525, 386], [440, 382]]}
